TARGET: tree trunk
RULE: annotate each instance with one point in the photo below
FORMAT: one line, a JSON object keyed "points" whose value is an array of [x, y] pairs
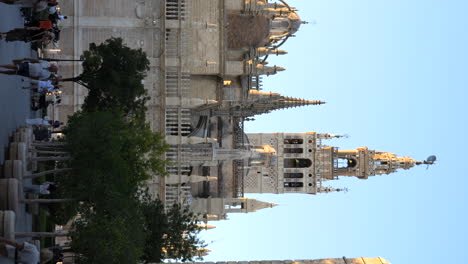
{"points": [[41, 143], [47, 59], [39, 174], [39, 201], [48, 148], [49, 152], [72, 79], [41, 234], [51, 158]]}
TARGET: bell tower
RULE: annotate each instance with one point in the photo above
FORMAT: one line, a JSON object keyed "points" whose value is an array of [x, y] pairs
{"points": [[218, 206], [300, 163]]}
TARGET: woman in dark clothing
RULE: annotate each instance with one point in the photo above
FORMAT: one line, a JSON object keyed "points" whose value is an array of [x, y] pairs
{"points": [[31, 34]]}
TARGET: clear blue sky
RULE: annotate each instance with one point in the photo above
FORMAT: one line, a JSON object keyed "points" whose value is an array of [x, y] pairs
{"points": [[394, 74]]}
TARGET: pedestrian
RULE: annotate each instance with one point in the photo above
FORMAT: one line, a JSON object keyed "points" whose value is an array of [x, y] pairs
{"points": [[39, 34], [36, 4], [38, 121], [45, 122], [23, 252], [56, 17], [45, 188], [32, 68], [43, 14], [46, 24], [42, 86]]}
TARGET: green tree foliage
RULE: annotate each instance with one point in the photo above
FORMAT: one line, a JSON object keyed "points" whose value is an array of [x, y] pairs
{"points": [[138, 231], [171, 235], [100, 237], [110, 156], [113, 153], [181, 241], [113, 74]]}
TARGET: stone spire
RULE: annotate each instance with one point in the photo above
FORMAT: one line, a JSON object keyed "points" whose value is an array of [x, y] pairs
{"points": [[261, 69], [386, 162], [363, 162], [253, 205], [223, 206], [261, 103], [263, 51]]}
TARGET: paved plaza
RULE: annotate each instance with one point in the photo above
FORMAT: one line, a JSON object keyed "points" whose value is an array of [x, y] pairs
{"points": [[14, 101]]}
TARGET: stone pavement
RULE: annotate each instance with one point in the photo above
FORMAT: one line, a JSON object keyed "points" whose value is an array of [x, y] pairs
{"points": [[14, 101]]}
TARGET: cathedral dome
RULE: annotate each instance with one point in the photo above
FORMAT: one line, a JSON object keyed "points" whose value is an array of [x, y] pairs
{"points": [[285, 25], [295, 22]]}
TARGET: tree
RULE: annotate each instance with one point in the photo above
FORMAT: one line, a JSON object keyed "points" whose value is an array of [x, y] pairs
{"points": [[170, 235], [181, 241], [113, 74], [110, 156], [98, 237]]}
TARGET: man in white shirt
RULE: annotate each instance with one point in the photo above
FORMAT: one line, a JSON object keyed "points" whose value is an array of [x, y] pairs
{"points": [[32, 68], [23, 252], [41, 86]]}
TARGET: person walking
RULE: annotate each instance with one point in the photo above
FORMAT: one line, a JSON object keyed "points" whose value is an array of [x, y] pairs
{"points": [[42, 87], [32, 68], [23, 252], [45, 122], [38, 5], [39, 34], [45, 188]]}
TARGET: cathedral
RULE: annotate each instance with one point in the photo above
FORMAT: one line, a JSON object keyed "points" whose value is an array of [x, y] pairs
{"points": [[342, 260], [208, 58]]}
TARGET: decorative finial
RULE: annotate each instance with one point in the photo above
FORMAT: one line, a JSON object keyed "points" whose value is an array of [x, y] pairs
{"points": [[429, 161]]}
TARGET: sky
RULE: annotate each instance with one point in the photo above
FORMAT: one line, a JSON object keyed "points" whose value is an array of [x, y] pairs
{"points": [[394, 74]]}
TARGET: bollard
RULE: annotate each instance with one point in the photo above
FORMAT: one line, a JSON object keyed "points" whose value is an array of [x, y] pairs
{"points": [[22, 152], [17, 136], [13, 195], [3, 194], [13, 150], [18, 170], [7, 224], [9, 218], [8, 169], [9, 194], [13, 169]]}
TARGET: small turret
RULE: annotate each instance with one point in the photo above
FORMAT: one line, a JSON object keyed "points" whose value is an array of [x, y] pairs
{"points": [[206, 226], [263, 51], [330, 189], [330, 136], [261, 69]]}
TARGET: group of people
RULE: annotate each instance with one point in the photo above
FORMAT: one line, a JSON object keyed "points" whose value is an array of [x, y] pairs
{"points": [[44, 80], [41, 26]]}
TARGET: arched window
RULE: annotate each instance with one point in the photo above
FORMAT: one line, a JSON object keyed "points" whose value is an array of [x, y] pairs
{"points": [[294, 175], [280, 23], [293, 184], [346, 163], [293, 141], [297, 163], [293, 150]]}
